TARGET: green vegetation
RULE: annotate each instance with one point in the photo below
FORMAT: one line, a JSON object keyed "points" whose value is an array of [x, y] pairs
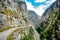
{"points": [[1, 30], [30, 36], [10, 13], [10, 37], [48, 28]]}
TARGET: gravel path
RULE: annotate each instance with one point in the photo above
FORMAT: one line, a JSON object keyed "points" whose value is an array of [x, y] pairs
{"points": [[5, 34]]}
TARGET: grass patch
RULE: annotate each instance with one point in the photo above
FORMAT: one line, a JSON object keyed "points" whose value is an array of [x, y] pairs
{"points": [[1, 30], [30, 36]]}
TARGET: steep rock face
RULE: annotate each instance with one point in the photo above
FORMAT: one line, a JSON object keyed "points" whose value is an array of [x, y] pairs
{"points": [[53, 7], [33, 18], [15, 12], [3, 20]]}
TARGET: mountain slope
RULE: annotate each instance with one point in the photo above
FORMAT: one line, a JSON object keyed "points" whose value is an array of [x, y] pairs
{"points": [[14, 14], [33, 18], [50, 23]]}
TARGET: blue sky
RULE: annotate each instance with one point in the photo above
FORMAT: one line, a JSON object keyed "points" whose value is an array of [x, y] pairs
{"points": [[39, 6]]}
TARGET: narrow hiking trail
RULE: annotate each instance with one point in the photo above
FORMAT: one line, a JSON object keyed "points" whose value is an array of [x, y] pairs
{"points": [[5, 34]]}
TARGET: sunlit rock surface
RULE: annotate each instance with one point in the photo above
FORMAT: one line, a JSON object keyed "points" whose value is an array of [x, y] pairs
{"points": [[14, 15], [15, 12]]}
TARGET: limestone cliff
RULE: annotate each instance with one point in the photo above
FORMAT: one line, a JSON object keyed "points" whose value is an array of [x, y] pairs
{"points": [[14, 12], [33, 18], [14, 21]]}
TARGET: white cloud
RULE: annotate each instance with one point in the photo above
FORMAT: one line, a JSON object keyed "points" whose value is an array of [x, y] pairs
{"points": [[29, 6], [40, 10], [44, 0], [50, 2], [53, 0], [40, 0]]}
